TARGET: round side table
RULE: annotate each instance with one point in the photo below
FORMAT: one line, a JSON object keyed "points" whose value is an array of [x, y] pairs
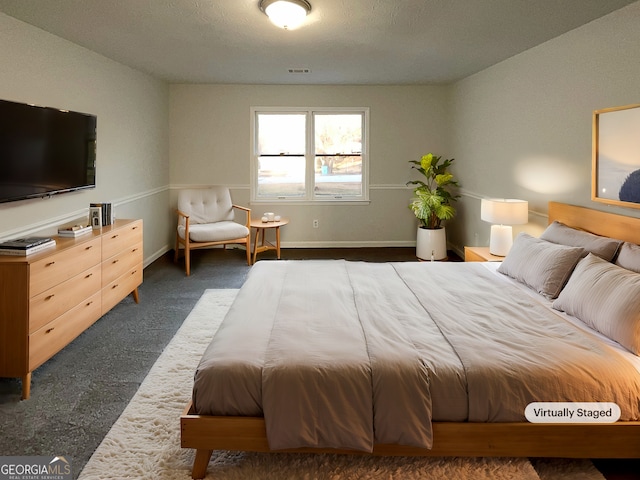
{"points": [[261, 230]]}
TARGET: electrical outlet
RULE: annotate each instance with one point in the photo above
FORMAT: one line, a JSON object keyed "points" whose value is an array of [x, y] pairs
{"points": [[316, 224]]}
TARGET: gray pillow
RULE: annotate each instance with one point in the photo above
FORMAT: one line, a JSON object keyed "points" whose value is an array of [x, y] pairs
{"points": [[629, 257], [603, 247], [541, 265], [605, 297]]}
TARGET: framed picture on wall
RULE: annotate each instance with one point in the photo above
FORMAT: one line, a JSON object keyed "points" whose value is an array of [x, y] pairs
{"points": [[615, 177]]}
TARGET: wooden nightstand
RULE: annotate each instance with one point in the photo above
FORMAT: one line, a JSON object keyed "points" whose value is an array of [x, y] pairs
{"points": [[480, 254]]}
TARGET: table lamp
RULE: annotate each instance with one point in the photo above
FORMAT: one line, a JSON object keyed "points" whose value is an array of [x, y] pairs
{"points": [[503, 212]]}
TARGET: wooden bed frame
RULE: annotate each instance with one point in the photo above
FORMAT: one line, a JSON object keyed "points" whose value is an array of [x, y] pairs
{"points": [[616, 440]]}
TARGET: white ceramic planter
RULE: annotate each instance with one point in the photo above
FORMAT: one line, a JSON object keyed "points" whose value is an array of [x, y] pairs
{"points": [[431, 244]]}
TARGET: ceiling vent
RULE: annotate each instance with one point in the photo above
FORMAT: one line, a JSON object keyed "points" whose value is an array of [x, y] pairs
{"points": [[302, 71]]}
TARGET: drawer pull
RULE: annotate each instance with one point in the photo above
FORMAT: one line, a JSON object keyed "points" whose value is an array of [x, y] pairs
{"points": [[134, 272], [115, 261], [49, 330], [91, 274], [89, 247], [115, 236], [50, 297], [89, 303], [134, 250], [49, 264], [115, 286]]}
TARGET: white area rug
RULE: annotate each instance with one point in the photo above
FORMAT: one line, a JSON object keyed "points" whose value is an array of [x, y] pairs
{"points": [[144, 443]]}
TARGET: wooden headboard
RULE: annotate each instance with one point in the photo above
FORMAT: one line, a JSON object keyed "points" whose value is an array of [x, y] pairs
{"points": [[596, 221]]}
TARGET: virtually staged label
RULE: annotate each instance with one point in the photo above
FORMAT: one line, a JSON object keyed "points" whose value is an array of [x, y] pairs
{"points": [[572, 412]]}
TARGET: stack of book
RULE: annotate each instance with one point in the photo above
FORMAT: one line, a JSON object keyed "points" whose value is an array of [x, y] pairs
{"points": [[100, 214], [26, 246], [74, 231]]}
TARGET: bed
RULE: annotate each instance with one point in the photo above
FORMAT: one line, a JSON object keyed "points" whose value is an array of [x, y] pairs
{"points": [[447, 403]]}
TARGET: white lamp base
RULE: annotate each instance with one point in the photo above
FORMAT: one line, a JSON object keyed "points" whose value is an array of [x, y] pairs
{"points": [[501, 240]]}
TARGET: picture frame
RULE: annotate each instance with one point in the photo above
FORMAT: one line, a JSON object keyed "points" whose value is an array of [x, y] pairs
{"points": [[95, 217], [615, 178]]}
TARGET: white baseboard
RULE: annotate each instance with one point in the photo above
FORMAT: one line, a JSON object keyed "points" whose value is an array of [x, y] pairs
{"points": [[342, 244], [455, 249], [348, 244], [156, 255]]}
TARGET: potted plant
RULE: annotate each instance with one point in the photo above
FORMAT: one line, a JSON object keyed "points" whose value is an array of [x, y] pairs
{"points": [[432, 204]]}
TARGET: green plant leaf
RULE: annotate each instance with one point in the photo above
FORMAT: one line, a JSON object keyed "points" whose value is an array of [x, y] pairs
{"points": [[425, 163], [443, 179], [432, 202]]}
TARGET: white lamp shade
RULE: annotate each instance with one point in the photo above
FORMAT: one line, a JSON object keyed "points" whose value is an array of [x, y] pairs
{"points": [[504, 211], [287, 14]]}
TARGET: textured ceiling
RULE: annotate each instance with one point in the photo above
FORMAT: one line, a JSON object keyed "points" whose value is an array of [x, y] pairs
{"points": [[341, 42]]}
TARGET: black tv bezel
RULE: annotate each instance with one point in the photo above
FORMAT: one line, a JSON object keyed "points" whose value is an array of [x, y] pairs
{"points": [[50, 193]]}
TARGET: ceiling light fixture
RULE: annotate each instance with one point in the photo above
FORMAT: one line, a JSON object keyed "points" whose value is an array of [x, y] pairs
{"points": [[287, 14]]}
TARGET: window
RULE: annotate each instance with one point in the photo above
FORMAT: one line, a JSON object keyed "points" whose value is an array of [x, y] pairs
{"points": [[309, 154]]}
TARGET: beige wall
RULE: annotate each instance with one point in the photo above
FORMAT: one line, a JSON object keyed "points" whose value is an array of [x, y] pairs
{"points": [[522, 128], [210, 144], [132, 152]]}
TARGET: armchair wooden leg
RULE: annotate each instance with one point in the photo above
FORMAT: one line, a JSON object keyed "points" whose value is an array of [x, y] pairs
{"points": [[187, 259]]}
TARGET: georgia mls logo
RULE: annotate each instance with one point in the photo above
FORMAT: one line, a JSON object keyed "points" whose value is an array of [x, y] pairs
{"points": [[35, 468], [59, 465]]}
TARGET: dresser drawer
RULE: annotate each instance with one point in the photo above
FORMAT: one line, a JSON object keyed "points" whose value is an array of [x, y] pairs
{"points": [[61, 266], [113, 293], [54, 336], [118, 239], [54, 302], [121, 263]]}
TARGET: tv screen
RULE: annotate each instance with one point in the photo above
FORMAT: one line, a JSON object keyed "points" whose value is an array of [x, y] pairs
{"points": [[45, 151]]}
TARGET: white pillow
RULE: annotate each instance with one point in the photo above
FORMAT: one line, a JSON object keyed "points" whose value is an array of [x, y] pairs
{"points": [[541, 265], [604, 247], [629, 257], [607, 298]]}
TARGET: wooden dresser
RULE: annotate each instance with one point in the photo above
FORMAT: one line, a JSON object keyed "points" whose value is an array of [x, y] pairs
{"points": [[49, 298]]}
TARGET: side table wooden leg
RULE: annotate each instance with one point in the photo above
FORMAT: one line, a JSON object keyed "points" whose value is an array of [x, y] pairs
{"points": [[255, 245], [136, 297], [278, 242], [26, 386]]}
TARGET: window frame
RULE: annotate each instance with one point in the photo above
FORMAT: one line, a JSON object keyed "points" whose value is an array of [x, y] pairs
{"points": [[309, 155]]}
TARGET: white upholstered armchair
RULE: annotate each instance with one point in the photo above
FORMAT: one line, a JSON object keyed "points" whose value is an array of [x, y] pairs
{"points": [[206, 218]]}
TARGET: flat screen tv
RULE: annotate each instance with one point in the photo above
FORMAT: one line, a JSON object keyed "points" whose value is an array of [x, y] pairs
{"points": [[45, 151]]}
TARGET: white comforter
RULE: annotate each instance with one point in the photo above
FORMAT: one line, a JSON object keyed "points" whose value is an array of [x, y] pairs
{"points": [[347, 354]]}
